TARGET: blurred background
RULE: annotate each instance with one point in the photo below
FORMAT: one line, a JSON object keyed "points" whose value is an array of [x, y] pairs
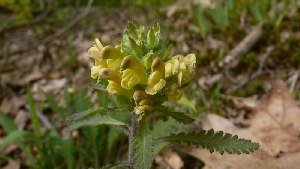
{"points": [[241, 47]]}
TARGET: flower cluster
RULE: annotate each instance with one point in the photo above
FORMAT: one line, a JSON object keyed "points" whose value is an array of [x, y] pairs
{"points": [[139, 68]]}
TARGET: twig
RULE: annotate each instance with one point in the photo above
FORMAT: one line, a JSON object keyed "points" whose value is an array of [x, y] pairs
{"points": [[71, 24], [45, 120], [293, 80], [259, 70], [58, 33], [243, 47]]}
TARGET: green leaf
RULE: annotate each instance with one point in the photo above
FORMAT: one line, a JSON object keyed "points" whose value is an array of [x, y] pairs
{"points": [[151, 38], [213, 141], [97, 120], [15, 135], [92, 111], [179, 116], [33, 114], [67, 151], [7, 124], [135, 47], [143, 146], [167, 52]]}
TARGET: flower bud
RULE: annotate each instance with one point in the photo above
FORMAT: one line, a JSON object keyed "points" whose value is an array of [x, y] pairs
{"points": [[143, 102]]}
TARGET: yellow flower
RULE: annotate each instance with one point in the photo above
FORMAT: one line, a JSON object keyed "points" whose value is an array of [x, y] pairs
{"points": [[174, 93], [156, 79], [113, 57], [95, 51], [115, 88], [172, 67], [143, 102], [95, 71], [190, 61], [133, 73], [182, 67]]}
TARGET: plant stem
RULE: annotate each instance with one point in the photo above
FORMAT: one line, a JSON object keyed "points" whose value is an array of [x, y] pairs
{"points": [[132, 131]]}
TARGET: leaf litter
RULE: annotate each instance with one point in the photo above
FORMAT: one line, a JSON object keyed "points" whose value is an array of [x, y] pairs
{"points": [[274, 124]]}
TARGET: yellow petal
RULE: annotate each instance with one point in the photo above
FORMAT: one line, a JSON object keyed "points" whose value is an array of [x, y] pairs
{"points": [[158, 65], [115, 88], [113, 57], [130, 79], [155, 83], [172, 67], [133, 73], [94, 53]]}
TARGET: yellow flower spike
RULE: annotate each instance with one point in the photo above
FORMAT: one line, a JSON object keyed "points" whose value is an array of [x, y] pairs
{"points": [[156, 79], [133, 73], [115, 88], [174, 93], [113, 57], [109, 74], [143, 103]]}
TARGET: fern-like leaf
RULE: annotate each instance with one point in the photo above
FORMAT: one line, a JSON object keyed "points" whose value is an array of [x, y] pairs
{"points": [[179, 116], [213, 141], [143, 146], [98, 120]]}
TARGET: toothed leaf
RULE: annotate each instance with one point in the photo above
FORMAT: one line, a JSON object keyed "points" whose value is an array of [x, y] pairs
{"points": [[213, 141]]}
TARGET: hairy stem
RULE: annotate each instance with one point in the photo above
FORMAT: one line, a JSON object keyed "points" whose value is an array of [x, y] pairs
{"points": [[131, 135]]}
